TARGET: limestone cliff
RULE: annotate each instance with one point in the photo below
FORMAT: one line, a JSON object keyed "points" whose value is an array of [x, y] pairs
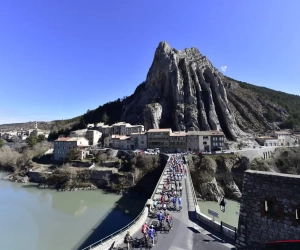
{"points": [[217, 175], [188, 92]]}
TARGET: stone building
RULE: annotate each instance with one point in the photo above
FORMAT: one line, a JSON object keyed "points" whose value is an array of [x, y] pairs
{"points": [[93, 136], [216, 139], [267, 141], [159, 138], [270, 208], [36, 132], [284, 138], [63, 145], [197, 141], [138, 140], [178, 142]]}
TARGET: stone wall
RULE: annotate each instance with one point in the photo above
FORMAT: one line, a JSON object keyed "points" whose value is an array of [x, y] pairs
{"points": [[264, 152], [268, 208]]}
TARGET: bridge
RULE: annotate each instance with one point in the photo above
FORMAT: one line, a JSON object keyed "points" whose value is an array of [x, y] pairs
{"points": [[191, 229]]}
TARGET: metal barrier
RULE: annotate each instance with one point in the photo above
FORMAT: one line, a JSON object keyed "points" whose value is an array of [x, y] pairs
{"points": [[123, 229], [192, 185], [223, 225]]}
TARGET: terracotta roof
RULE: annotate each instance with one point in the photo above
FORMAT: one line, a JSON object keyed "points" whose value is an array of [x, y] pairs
{"points": [[282, 133], [178, 133], [142, 133], [159, 130], [70, 138], [63, 139], [208, 132]]}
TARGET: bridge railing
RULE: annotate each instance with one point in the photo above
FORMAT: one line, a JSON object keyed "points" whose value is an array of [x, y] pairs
{"points": [[192, 186], [129, 225], [223, 228]]}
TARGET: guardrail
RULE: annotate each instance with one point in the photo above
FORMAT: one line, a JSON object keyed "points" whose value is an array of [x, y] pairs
{"points": [[192, 185], [123, 229], [222, 227], [161, 176]]}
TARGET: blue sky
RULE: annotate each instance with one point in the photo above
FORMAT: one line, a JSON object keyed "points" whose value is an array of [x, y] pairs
{"points": [[59, 58]]}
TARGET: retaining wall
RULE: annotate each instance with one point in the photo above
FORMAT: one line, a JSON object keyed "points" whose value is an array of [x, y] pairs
{"points": [[264, 152]]}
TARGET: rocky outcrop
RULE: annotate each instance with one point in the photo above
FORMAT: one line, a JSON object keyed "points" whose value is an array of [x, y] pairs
{"points": [[188, 89], [217, 175], [152, 115]]}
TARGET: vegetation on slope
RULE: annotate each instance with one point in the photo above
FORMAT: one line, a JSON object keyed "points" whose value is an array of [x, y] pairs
{"points": [[289, 102], [284, 160]]}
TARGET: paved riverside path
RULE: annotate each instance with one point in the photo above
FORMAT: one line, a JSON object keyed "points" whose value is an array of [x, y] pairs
{"points": [[185, 234]]}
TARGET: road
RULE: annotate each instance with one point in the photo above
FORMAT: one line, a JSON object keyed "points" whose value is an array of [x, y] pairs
{"points": [[186, 233]]}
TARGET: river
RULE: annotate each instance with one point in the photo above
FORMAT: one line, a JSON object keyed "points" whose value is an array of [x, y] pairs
{"points": [[230, 216], [43, 219]]}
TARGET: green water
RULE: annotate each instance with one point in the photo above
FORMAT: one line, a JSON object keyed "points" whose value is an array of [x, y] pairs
{"points": [[230, 216], [43, 219]]}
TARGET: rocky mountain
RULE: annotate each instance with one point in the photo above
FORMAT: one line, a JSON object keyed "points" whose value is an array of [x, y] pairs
{"points": [[184, 91]]}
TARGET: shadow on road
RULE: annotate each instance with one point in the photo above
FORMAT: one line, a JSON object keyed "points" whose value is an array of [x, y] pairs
{"points": [[216, 235]]}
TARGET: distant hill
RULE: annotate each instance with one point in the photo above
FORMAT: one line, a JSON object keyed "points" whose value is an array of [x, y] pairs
{"points": [[184, 91]]}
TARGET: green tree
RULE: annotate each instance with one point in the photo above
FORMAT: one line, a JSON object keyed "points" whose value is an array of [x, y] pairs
{"points": [[2, 142], [41, 138], [105, 118], [73, 155], [270, 116], [31, 140]]}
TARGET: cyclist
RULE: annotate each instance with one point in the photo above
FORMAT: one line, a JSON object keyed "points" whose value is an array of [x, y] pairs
{"points": [[169, 220], [151, 234], [154, 204], [128, 239], [145, 229], [174, 201], [162, 199], [180, 202], [164, 207], [160, 217]]}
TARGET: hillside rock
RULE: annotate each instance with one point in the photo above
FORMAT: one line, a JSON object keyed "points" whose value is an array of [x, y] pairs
{"points": [[152, 115], [216, 176], [189, 90]]}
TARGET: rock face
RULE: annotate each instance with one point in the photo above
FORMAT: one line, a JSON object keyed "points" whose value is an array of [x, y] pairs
{"points": [[187, 93], [216, 176], [152, 115]]}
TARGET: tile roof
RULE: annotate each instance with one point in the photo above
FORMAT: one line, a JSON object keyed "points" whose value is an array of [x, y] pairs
{"points": [[159, 130], [208, 132], [63, 139], [70, 138], [282, 133], [178, 133]]}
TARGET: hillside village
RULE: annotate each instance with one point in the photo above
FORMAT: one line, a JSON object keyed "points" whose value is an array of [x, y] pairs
{"points": [[124, 136]]}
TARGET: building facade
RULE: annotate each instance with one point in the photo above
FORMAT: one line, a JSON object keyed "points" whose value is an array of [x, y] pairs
{"points": [[284, 138], [139, 141], [217, 139], [177, 142], [64, 145], [159, 138], [93, 136]]}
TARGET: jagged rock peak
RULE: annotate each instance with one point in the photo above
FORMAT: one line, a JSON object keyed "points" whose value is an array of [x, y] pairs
{"points": [[187, 89]]}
